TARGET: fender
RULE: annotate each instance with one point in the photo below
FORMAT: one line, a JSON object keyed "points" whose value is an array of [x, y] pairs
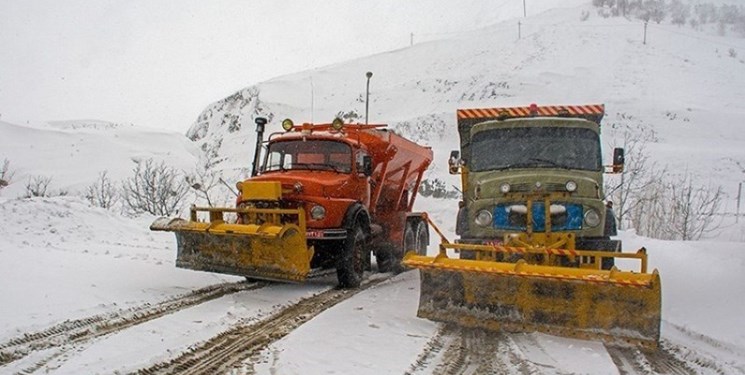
{"points": [[355, 212]]}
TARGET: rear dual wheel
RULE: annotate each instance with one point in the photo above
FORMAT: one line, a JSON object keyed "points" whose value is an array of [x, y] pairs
{"points": [[388, 258], [416, 237]]}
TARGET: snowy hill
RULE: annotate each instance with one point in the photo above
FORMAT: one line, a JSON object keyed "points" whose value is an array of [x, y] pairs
{"points": [[681, 84], [73, 153]]}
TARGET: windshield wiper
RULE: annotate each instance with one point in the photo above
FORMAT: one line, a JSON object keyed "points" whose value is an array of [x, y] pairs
{"points": [[550, 162], [312, 166], [515, 165]]}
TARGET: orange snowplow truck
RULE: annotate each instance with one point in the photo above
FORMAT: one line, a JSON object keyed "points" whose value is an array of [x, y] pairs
{"points": [[325, 196]]}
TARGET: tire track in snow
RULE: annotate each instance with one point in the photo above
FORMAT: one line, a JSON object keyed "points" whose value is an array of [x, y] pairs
{"points": [[432, 349], [84, 329], [631, 360], [708, 354], [456, 350], [228, 350]]}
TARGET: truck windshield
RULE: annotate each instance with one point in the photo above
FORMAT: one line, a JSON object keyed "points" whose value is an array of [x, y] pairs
{"points": [[309, 154], [536, 147]]}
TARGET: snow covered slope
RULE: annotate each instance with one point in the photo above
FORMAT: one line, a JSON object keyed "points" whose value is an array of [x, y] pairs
{"points": [[73, 153], [681, 85]]}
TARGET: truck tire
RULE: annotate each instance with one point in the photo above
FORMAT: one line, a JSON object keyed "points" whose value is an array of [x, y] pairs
{"points": [[601, 244], [388, 258], [350, 265], [611, 246], [418, 237]]}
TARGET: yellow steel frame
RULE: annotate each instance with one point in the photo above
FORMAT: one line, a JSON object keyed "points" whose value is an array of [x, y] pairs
{"points": [[445, 244], [271, 216]]}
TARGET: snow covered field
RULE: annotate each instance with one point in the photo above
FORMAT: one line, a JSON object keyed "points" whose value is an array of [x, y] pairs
{"points": [[67, 268]]}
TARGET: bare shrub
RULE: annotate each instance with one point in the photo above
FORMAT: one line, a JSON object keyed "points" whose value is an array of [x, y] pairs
{"points": [[649, 216], [204, 177], [649, 200], [38, 186], [656, 9], [693, 209], [155, 188], [679, 12], [202, 181], [675, 209], [102, 193], [437, 188], [629, 189], [6, 174]]}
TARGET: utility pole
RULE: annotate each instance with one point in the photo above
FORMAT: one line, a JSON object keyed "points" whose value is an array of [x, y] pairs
{"points": [[525, 12], [518, 29], [411, 41], [739, 194], [367, 96], [645, 31]]}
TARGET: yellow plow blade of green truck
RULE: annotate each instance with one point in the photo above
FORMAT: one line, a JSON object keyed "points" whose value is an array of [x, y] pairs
{"points": [[614, 306], [270, 251]]}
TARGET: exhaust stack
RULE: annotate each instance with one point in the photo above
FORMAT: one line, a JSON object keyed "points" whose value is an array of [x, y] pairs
{"points": [[260, 125]]}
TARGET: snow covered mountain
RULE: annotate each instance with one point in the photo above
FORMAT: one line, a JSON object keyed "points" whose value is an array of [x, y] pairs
{"points": [[682, 85]]}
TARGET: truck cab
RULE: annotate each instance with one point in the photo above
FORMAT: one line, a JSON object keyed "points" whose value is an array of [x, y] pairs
{"points": [[534, 173]]}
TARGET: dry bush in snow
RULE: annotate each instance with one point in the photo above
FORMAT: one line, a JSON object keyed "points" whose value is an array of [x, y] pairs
{"points": [[102, 193], [652, 201], [693, 209], [38, 186], [6, 174], [202, 181], [155, 188]]}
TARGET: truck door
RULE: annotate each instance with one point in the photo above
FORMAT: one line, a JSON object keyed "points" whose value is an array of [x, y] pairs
{"points": [[362, 178]]}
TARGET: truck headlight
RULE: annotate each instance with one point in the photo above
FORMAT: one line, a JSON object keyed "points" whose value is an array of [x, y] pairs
{"points": [[317, 212], [287, 124], [592, 218], [483, 218], [571, 186], [504, 188]]}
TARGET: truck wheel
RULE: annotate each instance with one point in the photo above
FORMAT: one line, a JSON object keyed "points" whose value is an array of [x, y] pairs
{"points": [[422, 238], [388, 258], [608, 263], [351, 264], [601, 244], [409, 238], [416, 237]]}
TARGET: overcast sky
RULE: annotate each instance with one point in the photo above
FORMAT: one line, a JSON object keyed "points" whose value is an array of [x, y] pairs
{"points": [[159, 63]]}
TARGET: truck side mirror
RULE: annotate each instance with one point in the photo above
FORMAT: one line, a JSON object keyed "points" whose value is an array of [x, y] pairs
{"points": [[618, 160], [367, 165], [454, 162]]}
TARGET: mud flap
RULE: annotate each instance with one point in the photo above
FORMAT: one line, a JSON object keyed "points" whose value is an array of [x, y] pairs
{"points": [[269, 252], [614, 306]]}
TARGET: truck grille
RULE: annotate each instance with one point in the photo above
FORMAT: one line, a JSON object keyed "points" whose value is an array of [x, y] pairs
{"points": [[513, 216]]}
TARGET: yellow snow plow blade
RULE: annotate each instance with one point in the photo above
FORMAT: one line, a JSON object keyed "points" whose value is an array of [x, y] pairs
{"points": [[614, 306], [264, 247]]}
